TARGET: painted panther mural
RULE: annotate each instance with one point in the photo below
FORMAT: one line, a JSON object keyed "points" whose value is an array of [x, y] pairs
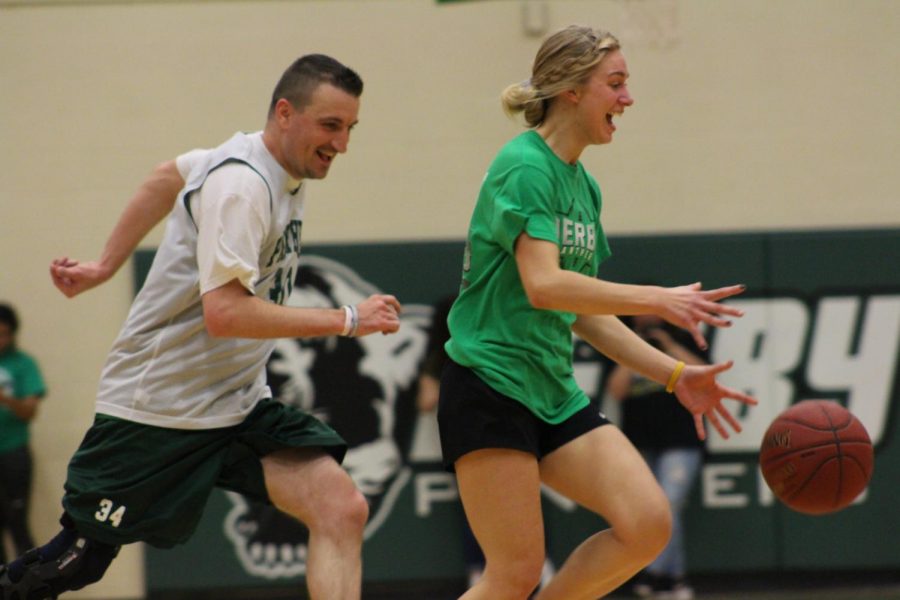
{"points": [[362, 387]]}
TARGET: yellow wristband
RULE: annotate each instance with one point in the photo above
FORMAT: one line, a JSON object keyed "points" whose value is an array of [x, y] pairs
{"points": [[670, 387]]}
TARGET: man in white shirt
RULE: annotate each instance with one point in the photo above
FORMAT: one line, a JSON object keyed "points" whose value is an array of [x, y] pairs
{"points": [[183, 404]]}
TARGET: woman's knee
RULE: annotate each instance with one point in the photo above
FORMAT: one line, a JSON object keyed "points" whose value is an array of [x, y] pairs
{"points": [[516, 577], [656, 526], [646, 527], [658, 518]]}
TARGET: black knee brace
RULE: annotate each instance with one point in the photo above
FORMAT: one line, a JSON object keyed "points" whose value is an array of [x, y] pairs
{"points": [[68, 562]]}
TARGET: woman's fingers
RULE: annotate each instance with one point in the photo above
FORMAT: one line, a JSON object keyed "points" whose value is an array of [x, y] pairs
{"points": [[726, 414], [714, 420], [698, 425], [739, 396], [724, 292]]}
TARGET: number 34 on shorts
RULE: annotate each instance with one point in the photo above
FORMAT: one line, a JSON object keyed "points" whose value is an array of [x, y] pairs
{"points": [[109, 513]]}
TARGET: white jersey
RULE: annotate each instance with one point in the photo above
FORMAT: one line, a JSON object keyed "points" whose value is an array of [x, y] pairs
{"points": [[239, 216]]}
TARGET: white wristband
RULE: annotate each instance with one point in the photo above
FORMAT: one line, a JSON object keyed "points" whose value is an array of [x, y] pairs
{"points": [[354, 320], [348, 320]]}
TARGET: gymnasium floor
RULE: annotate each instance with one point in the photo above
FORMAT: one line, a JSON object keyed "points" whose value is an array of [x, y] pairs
{"points": [[872, 593], [878, 585], [813, 586]]}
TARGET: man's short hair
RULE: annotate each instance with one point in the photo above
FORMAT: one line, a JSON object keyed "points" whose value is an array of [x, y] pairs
{"points": [[300, 80]]}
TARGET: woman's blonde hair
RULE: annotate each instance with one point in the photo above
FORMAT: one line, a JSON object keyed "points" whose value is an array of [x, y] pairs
{"points": [[565, 60]]}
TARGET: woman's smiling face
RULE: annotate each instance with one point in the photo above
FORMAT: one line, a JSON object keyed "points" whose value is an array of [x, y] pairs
{"points": [[604, 95]]}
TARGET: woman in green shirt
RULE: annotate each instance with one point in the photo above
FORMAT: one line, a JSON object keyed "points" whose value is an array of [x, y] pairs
{"points": [[511, 415]]}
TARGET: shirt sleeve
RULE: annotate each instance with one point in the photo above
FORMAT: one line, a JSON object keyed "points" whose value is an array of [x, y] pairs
{"points": [[232, 215], [523, 203], [185, 162]]}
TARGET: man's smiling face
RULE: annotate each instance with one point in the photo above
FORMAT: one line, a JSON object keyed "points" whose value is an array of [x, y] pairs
{"points": [[314, 135]]}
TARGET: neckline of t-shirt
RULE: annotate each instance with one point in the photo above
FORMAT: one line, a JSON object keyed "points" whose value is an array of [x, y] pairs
{"points": [[568, 166]]}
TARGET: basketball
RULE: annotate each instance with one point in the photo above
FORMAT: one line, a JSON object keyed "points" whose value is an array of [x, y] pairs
{"points": [[816, 457]]}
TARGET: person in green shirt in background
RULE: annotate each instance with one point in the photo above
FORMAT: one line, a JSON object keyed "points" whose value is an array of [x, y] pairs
{"points": [[21, 389]]}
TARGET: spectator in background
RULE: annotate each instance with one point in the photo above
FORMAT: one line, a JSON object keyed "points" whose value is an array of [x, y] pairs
{"points": [[663, 431], [21, 390], [427, 400], [435, 356]]}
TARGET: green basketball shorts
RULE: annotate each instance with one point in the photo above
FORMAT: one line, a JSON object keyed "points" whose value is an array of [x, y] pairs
{"points": [[129, 482]]}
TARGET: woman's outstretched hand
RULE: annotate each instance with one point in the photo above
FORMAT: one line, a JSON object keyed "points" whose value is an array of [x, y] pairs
{"points": [[699, 391], [687, 306]]}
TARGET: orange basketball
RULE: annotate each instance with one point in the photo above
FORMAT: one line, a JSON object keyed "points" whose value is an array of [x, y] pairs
{"points": [[816, 457]]}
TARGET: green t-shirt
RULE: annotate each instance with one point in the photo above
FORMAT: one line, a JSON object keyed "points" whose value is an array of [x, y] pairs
{"points": [[518, 350], [20, 377]]}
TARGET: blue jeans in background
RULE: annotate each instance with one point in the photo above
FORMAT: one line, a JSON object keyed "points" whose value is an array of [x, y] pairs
{"points": [[676, 470]]}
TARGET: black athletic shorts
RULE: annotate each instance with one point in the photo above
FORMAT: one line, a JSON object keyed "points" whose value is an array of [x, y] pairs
{"points": [[474, 416]]}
